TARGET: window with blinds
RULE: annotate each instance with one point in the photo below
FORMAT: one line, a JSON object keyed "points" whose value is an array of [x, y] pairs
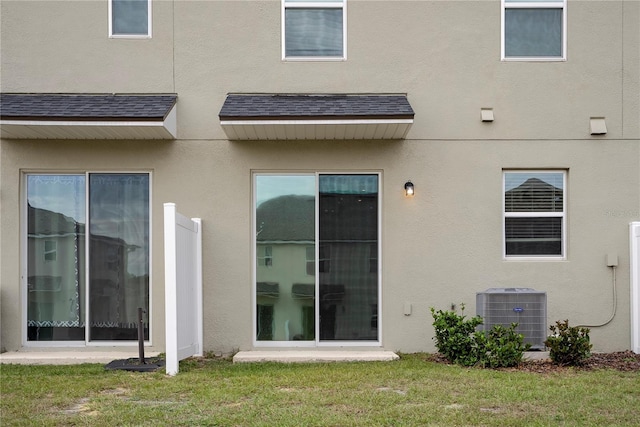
{"points": [[534, 30], [534, 214], [313, 29]]}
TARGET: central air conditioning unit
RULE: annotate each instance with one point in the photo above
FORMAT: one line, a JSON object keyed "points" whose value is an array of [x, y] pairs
{"points": [[524, 306]]}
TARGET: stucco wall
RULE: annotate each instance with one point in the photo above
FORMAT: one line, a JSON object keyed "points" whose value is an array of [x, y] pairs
{"points": [[438, 248]]}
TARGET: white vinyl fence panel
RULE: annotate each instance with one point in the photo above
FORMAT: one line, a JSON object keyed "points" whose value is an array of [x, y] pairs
{"points": [[183, 287], [634, 236]]}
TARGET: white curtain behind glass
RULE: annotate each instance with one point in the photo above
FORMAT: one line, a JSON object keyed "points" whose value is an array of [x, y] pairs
{"points": [[119, 251], [55, 264]]}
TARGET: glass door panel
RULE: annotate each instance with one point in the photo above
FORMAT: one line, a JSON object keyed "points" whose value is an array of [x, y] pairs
{"points": [[285, 257], [118, 255], [348, 246], [316, 237], [55, 257]]}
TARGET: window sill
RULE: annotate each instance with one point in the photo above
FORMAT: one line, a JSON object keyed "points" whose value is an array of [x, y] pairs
{"points": [[130, 36], [534, 259], [314, 59], [533, 59]]}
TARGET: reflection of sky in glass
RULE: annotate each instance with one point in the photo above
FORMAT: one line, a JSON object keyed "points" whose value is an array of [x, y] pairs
{"points": [[271, 186], [515, 179], [64, 194]]}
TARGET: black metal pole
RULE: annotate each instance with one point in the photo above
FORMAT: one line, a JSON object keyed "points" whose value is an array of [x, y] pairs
{"points": [[141, 336]]}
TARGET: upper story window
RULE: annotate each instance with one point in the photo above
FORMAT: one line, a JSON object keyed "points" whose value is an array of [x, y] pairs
{"points": [[534, 214], [314, 30], [534, 30], [130, 18]]}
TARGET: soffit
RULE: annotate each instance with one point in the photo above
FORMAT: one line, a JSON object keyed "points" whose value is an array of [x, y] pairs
{"points": [[88, 116], [316, 117]]}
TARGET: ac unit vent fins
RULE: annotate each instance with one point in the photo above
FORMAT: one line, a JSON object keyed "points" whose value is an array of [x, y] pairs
{"points": [[524, 306]]}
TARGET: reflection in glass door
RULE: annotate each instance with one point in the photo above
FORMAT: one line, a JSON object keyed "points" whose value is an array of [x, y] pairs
{"points": [[316, 239], [285, 252], [58, 235]]}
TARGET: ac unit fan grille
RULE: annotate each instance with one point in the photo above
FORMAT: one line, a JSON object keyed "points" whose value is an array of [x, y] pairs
{"points": [[524, 306]]}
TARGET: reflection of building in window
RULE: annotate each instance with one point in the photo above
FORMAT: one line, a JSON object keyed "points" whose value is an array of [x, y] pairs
{"points": [[50, 250], [324, 259], [311, 260], [265, 256], [534, 214], [117, 265], [334, 234]]}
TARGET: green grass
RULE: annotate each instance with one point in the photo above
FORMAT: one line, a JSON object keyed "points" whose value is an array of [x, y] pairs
{"points": [[411, 391]]}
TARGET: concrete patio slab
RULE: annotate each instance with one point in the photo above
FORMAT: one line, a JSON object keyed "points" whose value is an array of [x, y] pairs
{"points": [[68, 357], [300, 356], [536, 355]]}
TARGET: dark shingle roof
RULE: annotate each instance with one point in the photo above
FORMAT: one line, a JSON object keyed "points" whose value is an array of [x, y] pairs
{"points": [[85, 106], [273, 106]]}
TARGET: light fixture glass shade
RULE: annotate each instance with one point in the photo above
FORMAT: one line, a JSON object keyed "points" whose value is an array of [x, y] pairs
{"points": [[408, 188]]}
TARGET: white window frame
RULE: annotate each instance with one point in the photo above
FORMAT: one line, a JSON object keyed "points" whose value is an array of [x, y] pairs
{"points": [[25, 255], [506, 4], [130, 36], [562, 215], [337, 4]]}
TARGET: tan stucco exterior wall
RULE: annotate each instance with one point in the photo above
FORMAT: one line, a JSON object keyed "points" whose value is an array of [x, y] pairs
{"points": [[438, 248]]}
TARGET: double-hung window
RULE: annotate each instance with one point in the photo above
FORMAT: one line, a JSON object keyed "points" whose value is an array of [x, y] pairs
{"points": [[314, 30], [130, 18], [534, 214], [534, 30]]}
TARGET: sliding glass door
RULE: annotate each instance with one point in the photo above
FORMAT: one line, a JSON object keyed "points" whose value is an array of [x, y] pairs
{"points": [[316, 246], [87, 256]]}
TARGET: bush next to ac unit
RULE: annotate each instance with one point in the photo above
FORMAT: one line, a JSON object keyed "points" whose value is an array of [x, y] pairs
{"points": [[568, 345], [459, 341]]}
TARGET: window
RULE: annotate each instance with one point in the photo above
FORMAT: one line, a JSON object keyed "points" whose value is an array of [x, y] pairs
{"points": [[314, 29], [534, 214], [50, 250], [327, 223], [94, 231], [311, 260], [534, 29], [267, 256], [129, 18]]}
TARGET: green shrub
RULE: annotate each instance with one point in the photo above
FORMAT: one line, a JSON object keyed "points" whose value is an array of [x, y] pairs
{"points": [[459, 341], [568, 345], [455, 336], [504, 347]]}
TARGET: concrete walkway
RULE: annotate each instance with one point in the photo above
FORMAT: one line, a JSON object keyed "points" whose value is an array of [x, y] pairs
{"points": [[68, 357]]}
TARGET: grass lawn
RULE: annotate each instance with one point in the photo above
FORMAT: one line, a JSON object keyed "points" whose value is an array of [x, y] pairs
{"points": [[411, 391]]}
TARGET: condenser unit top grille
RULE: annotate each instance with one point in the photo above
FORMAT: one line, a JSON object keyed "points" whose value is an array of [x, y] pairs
{"points": [[512, 291]]}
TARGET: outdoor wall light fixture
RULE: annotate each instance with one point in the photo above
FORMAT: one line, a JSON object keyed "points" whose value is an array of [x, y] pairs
{"points": [[408, 188]]}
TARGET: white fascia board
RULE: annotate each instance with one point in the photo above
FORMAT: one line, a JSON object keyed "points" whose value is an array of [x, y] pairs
{"points": [[315, 122]]}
